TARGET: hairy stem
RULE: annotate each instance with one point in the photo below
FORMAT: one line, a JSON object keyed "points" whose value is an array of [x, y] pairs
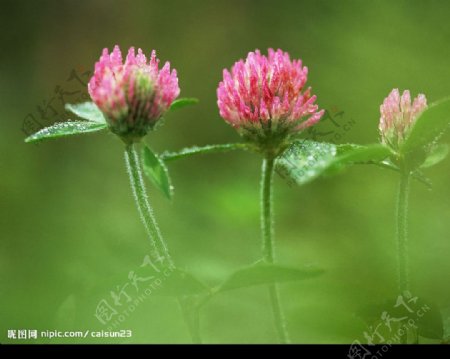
{"points": [[268, 245], [143, 205], [402, 231], [154, 234]]}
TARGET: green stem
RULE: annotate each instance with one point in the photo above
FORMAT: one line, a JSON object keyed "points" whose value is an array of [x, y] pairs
{"points": [[402, 231], [152, 229], [143, 206], [268, 246], [186, 152]]}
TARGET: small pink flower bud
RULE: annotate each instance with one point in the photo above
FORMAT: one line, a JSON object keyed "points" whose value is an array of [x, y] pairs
{"points": [[133, 95], [398, 115]]}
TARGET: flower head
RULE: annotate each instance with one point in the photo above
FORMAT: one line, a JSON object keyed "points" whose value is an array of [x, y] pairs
{"points": [[264, 97], [398, 115], [133, 95]]}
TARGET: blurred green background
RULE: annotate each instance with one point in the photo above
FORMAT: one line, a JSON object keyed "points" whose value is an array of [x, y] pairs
{"points": [[70, 231]]}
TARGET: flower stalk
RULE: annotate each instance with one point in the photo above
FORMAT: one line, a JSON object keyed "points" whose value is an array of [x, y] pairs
{"points": [[265, 99], [402, 231], [268, 245], [399, 113], [143, 205]]}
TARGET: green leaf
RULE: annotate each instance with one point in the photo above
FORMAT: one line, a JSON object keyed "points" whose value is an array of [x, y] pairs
{"points": [[354, 154], [305, 160], [162, 281], [361, 154], [156, 170], [195, 150], [438, 154], [264, 273], [428, 127], [177, 282], [87, 110], [63, 129], [343, 148], [183, 102]]}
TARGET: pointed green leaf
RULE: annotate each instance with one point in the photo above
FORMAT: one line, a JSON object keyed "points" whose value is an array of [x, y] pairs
{"points": [[157, 172], [430, 125], [264, 273], [305, 160], [343, 148], [438, 154], [183, 102], [63, 129], [87, 110], [177, 282], [351, 154], [195, 150], [162, 282]]}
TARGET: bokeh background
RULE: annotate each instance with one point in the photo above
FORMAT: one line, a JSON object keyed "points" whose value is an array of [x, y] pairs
{"points": [[69, 229]]}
